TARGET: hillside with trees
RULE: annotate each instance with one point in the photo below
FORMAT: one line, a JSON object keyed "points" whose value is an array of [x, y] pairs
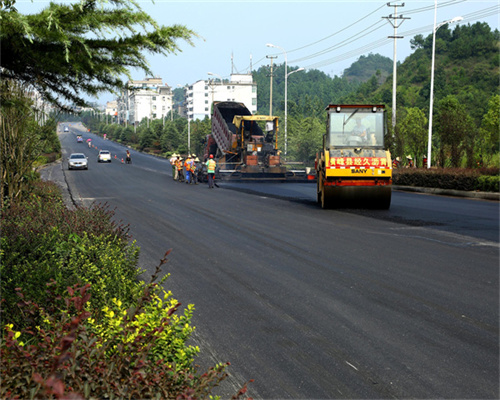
{"points": [[310, 91], [367, 66], [465, 95]]}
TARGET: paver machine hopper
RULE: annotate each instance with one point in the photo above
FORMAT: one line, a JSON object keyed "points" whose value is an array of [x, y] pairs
{"points": [[244, 145]]}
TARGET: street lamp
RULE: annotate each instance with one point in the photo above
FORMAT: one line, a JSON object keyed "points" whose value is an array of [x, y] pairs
{"points": [[212, 85], [218, 76], [189, 136], [286, 89], [287, 75], [431, 105]]}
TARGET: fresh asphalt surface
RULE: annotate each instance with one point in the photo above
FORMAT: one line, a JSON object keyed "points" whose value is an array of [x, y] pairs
{"points": [[312, 303]]}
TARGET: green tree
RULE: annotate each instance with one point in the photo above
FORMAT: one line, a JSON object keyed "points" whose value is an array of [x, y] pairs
{"points": [[85, 48], [304, 138], [414, 129], [170, 138], [453, 126], [21, 139], [490, 126], [199, 131], [147, 138]]}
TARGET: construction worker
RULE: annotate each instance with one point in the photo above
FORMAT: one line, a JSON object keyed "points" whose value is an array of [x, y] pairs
{"points": [[187, 164], [194, 171], [174, 169], [211, 165], [178, 168]]}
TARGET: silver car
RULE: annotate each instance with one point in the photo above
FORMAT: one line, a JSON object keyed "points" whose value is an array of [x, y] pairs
{"points": [[78, 161], [104, 156]]}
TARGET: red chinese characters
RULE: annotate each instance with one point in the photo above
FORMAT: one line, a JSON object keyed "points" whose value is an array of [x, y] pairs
{"points": [[357, 162]]}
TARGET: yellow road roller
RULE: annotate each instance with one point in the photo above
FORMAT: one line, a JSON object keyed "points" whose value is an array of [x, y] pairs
{"points": [[354, 169]]}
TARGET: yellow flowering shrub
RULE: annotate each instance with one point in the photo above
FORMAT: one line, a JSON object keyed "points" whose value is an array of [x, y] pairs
{"points": [[156, 318]]}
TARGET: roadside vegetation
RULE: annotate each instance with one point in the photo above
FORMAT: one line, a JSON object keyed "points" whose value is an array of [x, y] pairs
{"points": [[76, 319]]}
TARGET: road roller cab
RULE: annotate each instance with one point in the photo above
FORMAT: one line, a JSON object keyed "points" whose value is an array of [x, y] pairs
{"points": [[354, 169]]}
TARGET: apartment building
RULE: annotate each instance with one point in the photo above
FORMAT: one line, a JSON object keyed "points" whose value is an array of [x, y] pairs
{"points": [[147, 98], [200, 95], [112, 110]]}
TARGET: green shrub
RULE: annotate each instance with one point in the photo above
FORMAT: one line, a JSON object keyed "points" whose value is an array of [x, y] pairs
{"points": [[62, 358], [169, 344], [488, 183], [124, 341], [448, 178], [39, 244]]}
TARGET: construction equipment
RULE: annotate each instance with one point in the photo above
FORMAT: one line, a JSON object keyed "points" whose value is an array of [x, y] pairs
{"points": [[244, 145], [354, 169]]}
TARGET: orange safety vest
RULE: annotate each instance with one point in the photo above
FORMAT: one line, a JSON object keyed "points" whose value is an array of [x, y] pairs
{"points": [[178, 164], [187, 165]]}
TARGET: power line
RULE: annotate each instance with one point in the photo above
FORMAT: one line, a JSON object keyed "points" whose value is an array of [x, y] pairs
{"points": [[336, 33], [382, 42], [343, 43], [360, 34], [474, 16]]}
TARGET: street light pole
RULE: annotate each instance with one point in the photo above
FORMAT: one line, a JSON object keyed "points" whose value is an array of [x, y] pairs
{"points": [[271, 88], [431, 104], [213, 86], [286, 89]]}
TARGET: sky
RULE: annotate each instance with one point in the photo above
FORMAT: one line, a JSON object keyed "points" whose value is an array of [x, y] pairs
{"points": [[326, 35]]}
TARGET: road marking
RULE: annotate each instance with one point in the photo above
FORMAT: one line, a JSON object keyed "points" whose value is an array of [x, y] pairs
{"points": [[445, 237], [352, 366], [95, 198]]}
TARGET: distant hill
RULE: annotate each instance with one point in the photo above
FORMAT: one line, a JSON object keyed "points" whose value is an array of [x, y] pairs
{"points": [[466, 66], [367, 66], [308, 91], [314, 90]]}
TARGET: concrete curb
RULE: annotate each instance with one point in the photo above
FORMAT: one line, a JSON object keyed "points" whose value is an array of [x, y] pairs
{"points": [[449, 192]]}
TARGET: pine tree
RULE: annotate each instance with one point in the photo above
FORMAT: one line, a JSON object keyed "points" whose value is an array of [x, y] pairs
{"points": [[85, 48]]}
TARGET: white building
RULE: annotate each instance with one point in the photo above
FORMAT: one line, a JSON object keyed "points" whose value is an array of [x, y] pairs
{"points": [[112, 110], [200, 95], [147, 98]]}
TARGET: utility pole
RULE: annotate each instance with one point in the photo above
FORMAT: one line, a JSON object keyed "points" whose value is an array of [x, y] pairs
{"points": [[396, 23], [271, 90]]}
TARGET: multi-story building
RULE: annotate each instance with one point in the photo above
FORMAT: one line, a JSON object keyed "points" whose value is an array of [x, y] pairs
{"points": [[147, 98], [200, 95], [112, 110]]}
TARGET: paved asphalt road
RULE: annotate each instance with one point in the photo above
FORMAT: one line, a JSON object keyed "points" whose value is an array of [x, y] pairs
{"points": [[312, 303]]}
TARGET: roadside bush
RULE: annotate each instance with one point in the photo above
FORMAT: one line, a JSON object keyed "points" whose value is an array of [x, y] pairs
{"points": [[43, 240], [169, 344], [484, 179], [488, 183], [64, 359]]}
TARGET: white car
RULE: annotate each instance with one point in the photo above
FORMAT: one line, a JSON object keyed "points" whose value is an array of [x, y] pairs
{"points": [[78, 161], [104, 156], [66, 129]]}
